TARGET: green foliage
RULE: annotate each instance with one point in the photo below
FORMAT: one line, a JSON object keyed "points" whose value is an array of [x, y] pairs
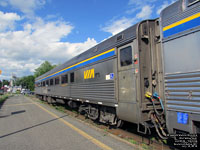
{"points": [[26, 82], [4, 97], [133, 141], [4, 82], [44, 67]]}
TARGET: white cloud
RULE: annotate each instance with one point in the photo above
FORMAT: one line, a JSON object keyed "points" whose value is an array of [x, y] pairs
{"points": [[164, 5], [142, 9], [145, 12], [115, 26], [7, 20], [140, 2], [26, 6], [24, 50]]}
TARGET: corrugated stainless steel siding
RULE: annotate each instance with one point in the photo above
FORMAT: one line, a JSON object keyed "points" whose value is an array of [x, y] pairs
{"points": [[182, 92], [98, 91]]}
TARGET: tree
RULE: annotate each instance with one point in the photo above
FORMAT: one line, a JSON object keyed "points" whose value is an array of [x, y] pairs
{"points": [[6, 82], [44, 67], [1, 84], [26, 82]]}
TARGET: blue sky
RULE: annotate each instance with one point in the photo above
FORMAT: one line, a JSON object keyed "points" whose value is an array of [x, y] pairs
{"points": [[32, 31]]}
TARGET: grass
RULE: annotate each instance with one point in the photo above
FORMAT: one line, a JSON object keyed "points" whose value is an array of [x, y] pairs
{"points": [[132, 141], [4, 97], [144, 146]]}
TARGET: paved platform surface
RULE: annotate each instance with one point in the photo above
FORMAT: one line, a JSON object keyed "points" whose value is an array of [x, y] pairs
{"points": [[29, 125]]}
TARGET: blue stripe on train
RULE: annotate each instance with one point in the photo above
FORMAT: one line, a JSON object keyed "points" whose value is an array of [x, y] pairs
{"points": [[182, 27]]}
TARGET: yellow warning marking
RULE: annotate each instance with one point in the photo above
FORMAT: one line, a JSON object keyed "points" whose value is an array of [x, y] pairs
{"points": [[84, 134]]}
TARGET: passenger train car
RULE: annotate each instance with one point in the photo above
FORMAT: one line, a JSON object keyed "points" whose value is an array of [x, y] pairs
{"points": [[148, 74], [180, 25]]}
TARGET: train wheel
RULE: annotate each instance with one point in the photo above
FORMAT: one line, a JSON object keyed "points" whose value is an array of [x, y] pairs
{"points": [[119, 123]]}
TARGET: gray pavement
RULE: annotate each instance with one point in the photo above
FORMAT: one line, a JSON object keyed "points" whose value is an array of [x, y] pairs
{"points": [[29, 125]]}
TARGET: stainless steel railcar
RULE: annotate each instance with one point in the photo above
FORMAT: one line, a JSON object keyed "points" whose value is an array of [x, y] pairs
{"points": [[181, 59], [127, 76]]}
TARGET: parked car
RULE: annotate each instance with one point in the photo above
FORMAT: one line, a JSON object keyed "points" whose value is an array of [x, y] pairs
{"points": [[1, 92], [25, 91]]}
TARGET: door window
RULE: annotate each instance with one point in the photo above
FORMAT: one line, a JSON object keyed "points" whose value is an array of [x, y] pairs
{"points": [[126, 56]]}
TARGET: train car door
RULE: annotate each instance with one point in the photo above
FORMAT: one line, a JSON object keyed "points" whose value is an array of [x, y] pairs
{"points": [[126, 83]]}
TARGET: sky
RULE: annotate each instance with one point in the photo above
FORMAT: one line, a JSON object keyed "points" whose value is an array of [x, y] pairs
{"points": [[32, 31]]}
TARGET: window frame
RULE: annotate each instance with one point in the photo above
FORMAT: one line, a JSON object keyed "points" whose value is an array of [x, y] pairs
{"points": [[47, 82], [51, 82], [71, 77], [65, 76], [57, 79], [131, 57]]}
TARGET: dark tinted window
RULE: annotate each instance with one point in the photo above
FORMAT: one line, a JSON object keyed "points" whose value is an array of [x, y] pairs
{"points": [[65, 79], [57, 80], [47, 82], [43, 83], [97, 75], [126, 56], [51, 81], [72, 77]]}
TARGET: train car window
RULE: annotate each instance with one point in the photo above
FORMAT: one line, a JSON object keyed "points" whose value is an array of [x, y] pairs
{"points": [[57, 80], [126, 56], [43, 83], [51, 81], [72, 77], [191, 2], [97, 75], [64, 79], [47, 82]]}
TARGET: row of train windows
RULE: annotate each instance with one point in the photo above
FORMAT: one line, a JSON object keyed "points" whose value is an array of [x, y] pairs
{"points": [[61, 79]]}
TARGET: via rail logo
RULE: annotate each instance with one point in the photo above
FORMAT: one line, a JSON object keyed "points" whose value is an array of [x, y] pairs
{"points": [[89, 74]]}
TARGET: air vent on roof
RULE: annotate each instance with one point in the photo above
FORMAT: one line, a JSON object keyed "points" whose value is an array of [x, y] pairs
{"points": [[120, 37]]}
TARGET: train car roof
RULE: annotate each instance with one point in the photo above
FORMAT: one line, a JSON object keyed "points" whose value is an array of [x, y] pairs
{"points": [[174, 15], [114, 41]]}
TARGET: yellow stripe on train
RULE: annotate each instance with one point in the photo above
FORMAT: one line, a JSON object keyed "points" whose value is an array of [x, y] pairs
{"points": [[113, 49], [181, 22]]}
